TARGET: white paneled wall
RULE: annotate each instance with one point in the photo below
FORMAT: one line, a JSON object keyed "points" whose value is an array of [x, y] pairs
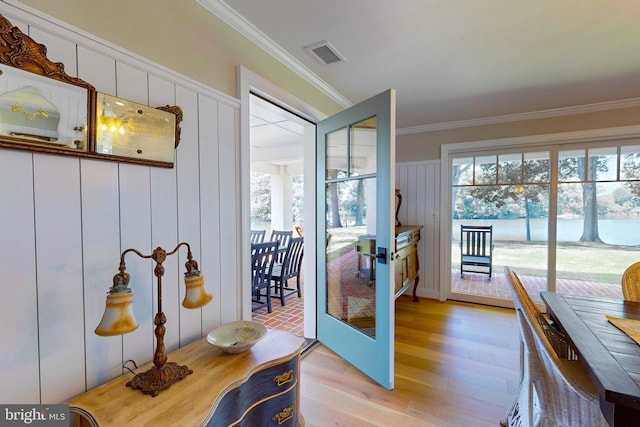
{"points": [[64, 222], [419, 184]]}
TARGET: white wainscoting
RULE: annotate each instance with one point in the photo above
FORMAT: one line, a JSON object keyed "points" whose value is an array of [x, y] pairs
{"points": [[419, 184], [64, 222]]}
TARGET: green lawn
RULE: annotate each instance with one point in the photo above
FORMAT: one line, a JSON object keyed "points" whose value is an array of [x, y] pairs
{"points": [[597, 261]]}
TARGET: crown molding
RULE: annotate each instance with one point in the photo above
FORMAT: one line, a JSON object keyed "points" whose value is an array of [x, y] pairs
{"points": [[236, 21], [581, 136], [532, 115]]}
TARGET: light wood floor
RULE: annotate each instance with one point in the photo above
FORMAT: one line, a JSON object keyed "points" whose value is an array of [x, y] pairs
{"points": [[456, 364]]}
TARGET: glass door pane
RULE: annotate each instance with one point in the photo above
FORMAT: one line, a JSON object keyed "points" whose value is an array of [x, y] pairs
{"points": [[351, 277], [598, 220], [350, 219], [510, 193]]}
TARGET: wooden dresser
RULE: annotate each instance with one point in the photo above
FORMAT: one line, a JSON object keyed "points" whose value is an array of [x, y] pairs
{"points": [[405, 253], [256, 388]]}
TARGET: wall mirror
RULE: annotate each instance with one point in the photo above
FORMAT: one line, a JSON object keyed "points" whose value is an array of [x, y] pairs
{"points": [[42, 108], [125, 128], [41, 111]]}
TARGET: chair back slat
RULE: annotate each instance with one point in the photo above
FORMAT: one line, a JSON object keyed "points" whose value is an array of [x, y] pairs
{"points": [[293, 257], [477, 240], [283, 238], [263, 256], [476, 247], [257, 236]]}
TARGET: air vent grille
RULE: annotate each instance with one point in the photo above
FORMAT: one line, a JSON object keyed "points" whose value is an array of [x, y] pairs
{"points": [[325, 53]]}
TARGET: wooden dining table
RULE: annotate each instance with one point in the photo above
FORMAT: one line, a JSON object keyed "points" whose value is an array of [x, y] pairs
{"points": [[611, 357]]}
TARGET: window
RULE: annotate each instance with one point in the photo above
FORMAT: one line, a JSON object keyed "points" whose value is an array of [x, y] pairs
{"points": [[569, 214]]}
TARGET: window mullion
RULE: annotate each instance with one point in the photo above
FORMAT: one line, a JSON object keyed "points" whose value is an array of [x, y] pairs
{"points": [[553, 219]]}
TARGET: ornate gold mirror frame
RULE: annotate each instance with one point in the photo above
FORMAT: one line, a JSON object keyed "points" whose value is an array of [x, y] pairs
{"points": [[44, 110]]}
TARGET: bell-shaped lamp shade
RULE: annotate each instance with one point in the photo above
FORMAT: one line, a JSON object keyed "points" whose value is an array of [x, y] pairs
{"points": [[118, 316], [196, 295]]}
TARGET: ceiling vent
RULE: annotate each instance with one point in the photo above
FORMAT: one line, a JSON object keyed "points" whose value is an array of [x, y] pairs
{"points": [[325, 53]]}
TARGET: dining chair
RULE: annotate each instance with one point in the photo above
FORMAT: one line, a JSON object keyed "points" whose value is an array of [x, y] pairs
{"points": [[631, 283], [544, 352], [522, 300], [523, 411], [289, 269], [282, 237], [263, 257], [257, 236], [553, 391]]}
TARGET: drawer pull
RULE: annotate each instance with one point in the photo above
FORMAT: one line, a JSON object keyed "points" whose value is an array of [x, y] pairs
{"points": [[284, 378], [285, 415]]}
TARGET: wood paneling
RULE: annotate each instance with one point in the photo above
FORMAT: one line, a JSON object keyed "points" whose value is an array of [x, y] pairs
{"points": [[58, 50], [189, 219], [98, 69], [419, 184], [100, 248], [229, 120], [135, 232], [210, 206], [19, 366], [59, 275], [456, 365]]}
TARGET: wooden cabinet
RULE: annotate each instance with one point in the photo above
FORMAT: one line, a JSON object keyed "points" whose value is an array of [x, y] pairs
{"points": [[407, 270], [405, 254], [260, 387]]}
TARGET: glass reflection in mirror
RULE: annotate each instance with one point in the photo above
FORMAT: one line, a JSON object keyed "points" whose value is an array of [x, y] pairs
{"points": [[351, 225], [363, 147], [127, 129], [43, 111], [337, 149]]}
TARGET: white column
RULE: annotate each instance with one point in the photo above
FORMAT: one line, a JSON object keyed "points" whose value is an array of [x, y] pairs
{"points": [[282, 201]]}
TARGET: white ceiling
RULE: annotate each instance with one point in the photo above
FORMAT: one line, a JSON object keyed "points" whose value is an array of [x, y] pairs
{"points": [[276, 138], [456, 60]]}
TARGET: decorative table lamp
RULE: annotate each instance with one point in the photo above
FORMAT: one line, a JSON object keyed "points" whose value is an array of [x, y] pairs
{"points": [[118, 317]]}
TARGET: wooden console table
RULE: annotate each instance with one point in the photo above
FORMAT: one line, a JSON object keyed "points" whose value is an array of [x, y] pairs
{"points": [[259, 387], [405, 253]]}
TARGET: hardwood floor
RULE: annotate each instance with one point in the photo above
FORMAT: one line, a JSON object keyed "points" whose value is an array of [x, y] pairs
{"points": [[456, 364]]}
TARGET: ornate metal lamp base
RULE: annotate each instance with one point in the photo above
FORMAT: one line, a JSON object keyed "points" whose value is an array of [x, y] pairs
{"points": [[157, 379]]}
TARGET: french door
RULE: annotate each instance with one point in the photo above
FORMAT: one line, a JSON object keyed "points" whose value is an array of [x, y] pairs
{"points": [[356, 202], [565, 217]]}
